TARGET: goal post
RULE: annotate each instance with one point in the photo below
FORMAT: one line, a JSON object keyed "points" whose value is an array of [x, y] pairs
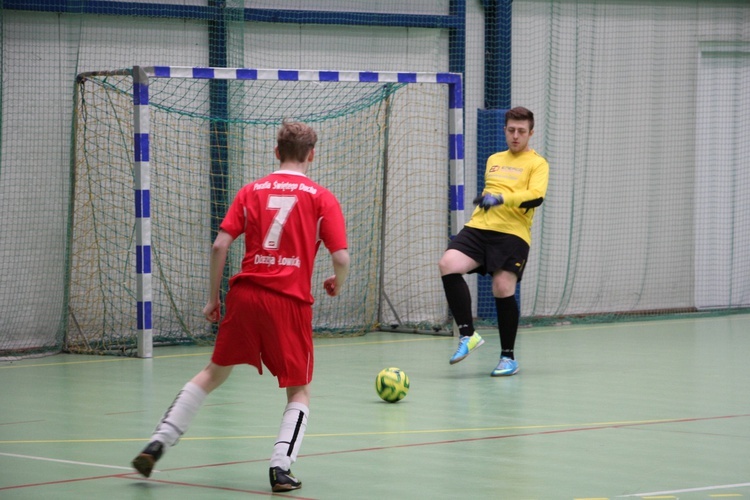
{"points": [[142, 193], [391, 148]]}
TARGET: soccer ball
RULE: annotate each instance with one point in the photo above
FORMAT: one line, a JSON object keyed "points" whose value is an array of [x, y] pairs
{"points": [[392, 384]]}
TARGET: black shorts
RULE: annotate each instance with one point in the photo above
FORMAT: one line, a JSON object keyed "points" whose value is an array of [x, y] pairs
{"points": [[494, 251]]}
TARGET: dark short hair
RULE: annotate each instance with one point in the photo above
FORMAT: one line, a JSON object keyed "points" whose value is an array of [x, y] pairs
{"points": [[295, 140], [520, 113]]}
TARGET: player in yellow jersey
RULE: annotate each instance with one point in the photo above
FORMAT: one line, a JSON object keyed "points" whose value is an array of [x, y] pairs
{"points": [[496, 239]]}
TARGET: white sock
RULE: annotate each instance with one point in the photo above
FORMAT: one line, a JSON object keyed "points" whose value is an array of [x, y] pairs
{"points": [[179, 415], [293, 426]]}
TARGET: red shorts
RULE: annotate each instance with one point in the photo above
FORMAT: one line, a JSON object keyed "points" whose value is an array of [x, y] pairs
{"points": [[263, 326]]}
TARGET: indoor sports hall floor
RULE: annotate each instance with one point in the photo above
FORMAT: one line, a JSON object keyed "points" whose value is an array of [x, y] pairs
{"points": [[653, 409]]}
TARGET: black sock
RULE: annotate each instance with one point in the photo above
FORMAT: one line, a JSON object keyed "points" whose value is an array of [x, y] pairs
{"points": [[507, 324], [459, 302]]}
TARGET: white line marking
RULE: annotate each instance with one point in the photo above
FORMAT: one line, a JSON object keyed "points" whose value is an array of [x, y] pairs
{"points": [[13, 455], [688, 490]]}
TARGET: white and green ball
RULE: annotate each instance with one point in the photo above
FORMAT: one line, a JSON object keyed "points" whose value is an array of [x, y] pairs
{"points": [[392, 384]]}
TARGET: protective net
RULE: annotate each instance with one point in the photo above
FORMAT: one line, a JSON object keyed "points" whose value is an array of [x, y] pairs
{"points": [[382, 150], [642, 110]]}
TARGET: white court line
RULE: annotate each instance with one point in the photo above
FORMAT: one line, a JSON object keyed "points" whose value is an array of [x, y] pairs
{"points": [[66, 461], [688, 490]]}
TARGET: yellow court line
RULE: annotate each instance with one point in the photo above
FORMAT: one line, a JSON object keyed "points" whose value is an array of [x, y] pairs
{"points": [[61, 363], [621, 324], [349, 342], [98, 359], [357, 434], [113, 359], [165, 356]]}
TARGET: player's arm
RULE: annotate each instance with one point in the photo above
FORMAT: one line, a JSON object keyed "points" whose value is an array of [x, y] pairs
{"points": [[332, 231], [487, 200], [532, 203], [340, 260], [219, 251]]}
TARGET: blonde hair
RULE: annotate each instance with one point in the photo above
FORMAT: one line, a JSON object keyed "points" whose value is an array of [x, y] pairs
{"points": [[295, 141]]}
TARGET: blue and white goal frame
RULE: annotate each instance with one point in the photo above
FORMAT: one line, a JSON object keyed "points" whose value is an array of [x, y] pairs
{"points": [[142, 171]]}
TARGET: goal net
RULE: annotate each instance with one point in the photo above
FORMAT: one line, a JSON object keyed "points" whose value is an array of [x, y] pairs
{"points": [[161, 151]]}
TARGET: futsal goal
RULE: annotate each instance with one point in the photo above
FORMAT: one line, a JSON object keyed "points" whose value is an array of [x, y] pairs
{"points": [[159, 153]]}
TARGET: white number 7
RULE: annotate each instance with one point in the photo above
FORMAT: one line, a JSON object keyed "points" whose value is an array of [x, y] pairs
{"points": [[283, 205]]}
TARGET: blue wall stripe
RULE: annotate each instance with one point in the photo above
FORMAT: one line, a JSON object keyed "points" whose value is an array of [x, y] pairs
{"points": [[114, 8], [352, 18], [257, 15], [457, 37]]}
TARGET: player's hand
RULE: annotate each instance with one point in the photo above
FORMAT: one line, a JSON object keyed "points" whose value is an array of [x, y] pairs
{"points": [[487, 200], [330, 286], [212, 311]]}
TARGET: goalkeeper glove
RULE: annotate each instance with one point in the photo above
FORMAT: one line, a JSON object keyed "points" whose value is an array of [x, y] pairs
{"points": [[486, 201]]}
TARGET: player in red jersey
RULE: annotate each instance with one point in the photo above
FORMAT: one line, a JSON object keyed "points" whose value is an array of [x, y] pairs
{"points": [[268, 320]]}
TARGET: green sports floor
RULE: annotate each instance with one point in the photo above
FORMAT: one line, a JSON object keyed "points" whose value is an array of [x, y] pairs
{"points": [[655, 409]]}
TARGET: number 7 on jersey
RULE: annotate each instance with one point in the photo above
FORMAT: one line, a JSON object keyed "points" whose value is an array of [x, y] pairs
{"points": [[283, 206]]}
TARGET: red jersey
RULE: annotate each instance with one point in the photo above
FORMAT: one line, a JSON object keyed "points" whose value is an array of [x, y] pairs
{"points": [[285, 216]]}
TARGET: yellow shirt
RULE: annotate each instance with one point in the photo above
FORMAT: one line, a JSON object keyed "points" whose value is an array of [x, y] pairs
{"points": [[522, 180]]}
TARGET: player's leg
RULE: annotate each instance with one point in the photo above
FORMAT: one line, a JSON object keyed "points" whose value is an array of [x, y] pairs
{"points": [[288, 353], [455, 262], [179, 415], [289, 440], [504, 289], [506, 260], [231, 348]]}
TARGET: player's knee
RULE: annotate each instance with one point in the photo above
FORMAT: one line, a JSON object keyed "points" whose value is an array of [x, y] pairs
{"points": [[502, 289], [446, 265], [298, 394], [501, 294], [212, 376], [442, 266]]}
